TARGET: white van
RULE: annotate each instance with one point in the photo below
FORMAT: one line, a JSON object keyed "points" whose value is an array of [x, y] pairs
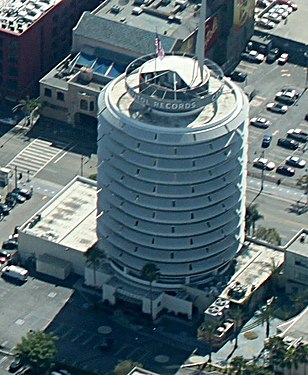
{"points": [[15, 272]]}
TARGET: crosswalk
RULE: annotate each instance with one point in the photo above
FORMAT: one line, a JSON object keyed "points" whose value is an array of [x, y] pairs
{"points": [[33, 158]]}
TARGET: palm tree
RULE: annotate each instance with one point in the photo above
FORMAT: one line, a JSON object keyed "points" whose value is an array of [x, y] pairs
{"points": [[30, 108], [251, 217], [277, 349], [94, 257], [238, 365], [269, 235], [208, 329], [237, 316], [150, 272]]}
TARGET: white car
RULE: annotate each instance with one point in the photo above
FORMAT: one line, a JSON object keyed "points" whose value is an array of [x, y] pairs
{"points": [[265, 164], [277, 107], [265, 23], [275, 17], [295, 161], [257, 55], [284, 57]]}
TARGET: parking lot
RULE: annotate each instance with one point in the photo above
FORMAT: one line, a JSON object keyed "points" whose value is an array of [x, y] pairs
{"points": [[268, 79]]}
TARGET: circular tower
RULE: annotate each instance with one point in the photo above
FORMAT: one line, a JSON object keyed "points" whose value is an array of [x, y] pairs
{"points": [[172, 145]]}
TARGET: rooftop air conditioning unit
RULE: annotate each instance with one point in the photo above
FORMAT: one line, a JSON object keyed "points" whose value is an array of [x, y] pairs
{"points": [[86, 74]]}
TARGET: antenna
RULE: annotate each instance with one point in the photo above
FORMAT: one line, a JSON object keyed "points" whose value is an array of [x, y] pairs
{"points": [[201, 37]]}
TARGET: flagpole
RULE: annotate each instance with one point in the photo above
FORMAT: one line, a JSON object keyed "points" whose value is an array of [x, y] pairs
{"points": [[201, 37]]}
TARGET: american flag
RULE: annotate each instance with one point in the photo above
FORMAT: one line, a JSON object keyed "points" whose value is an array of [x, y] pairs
{"points": [[159, 48]]}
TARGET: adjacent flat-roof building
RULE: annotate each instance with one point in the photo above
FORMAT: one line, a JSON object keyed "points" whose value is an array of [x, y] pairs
{"points": [[60, 234], [34, 35], [296, 264], [107, 39]]}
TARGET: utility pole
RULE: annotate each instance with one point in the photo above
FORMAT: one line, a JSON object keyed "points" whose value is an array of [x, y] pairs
{"points": [[15, 176], [81, 167]]}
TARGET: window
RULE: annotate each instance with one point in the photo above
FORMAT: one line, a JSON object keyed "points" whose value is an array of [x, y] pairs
{"points": [[48, 92], [12, 84], [83, 105], [60, 96], [91, 106], [13, 71]]}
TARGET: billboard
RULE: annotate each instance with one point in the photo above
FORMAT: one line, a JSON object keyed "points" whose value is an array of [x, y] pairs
{"points": [[243, 11], [211, 32]]}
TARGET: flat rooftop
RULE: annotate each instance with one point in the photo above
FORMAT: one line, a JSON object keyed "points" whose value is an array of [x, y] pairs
{"points": [[169, 17], [254, 266], [16, 16], [296, 328], [300, 245], [70, 218], [295, 28]]}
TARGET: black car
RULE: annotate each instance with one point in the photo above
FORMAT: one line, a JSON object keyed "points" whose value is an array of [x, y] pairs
{"points": [[238, 76], [298, 134], [106, 344], [285, 170], [273, 55], [288, 143], [17, 196], [266, 141], [23, 192], [4, 209], [10, 244], [15, 365]]}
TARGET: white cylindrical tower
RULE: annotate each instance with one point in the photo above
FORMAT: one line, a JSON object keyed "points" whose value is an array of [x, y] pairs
{"points": [[172, 147]]}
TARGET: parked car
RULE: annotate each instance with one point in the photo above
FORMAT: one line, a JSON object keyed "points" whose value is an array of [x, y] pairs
{"points": [[18, 197], [4, 209], [238, 76], [291, 144], [265, 23], [285, 170], [284, 57], [106, 344], [15, 272], [287, 96], [260, 122], [272, 55], [306, 116], [27, 193], [253, 56], [277, 107], [266, 141], [290, 3], [15, 365], [295, 161], [265, 164], [274, 17], [10, 244], [5, 253], [298, 134]]}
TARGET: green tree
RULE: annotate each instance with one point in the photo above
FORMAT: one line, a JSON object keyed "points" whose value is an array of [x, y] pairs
{"points": [[277, 349], [30, 108], [269, 235], [207, 331], [150, 272], [124, 367], [237, 316], [94, 258], [238, 365], [267, 315], [37, 350], [251, 217]]}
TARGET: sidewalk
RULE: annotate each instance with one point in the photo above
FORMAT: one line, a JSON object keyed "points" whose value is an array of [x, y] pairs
{"points": [[250, 342]]}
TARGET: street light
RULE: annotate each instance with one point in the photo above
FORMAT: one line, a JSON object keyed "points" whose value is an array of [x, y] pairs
{"points": [[306, 67]]}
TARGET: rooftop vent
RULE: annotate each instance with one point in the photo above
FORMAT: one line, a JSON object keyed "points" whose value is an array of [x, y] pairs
{"points": [[86, 74]]}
